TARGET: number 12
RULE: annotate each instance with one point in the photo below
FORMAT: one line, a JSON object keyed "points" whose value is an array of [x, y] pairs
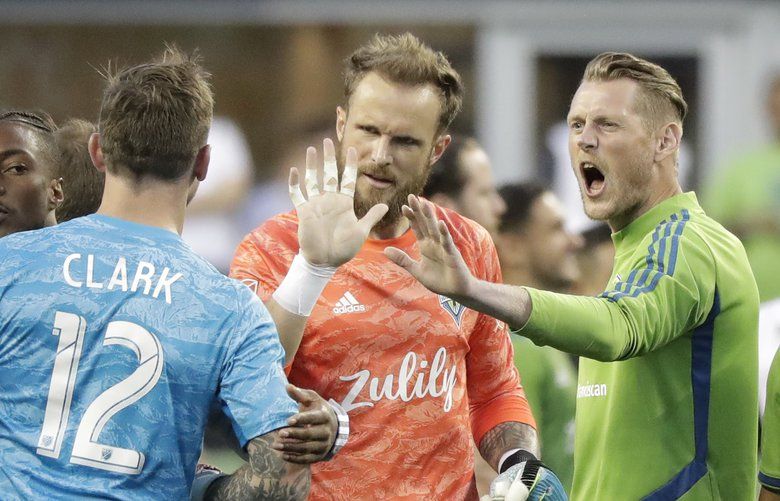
{"points": [[86, 450]]}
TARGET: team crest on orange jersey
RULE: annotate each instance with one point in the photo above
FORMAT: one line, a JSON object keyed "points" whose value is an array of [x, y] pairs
{"points": [[454, 308]]}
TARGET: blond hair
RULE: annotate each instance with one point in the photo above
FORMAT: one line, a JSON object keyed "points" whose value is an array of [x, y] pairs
{"points": [[154, 117], [404, 59], [662, 97]]}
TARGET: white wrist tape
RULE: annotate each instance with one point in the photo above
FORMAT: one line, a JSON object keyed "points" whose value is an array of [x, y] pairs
{"points": [[300, 289]]}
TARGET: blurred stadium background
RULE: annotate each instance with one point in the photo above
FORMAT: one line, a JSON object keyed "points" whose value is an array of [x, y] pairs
{"points": [[276, 64]]}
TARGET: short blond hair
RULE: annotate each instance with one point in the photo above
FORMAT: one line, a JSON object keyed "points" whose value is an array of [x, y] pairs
{"points": [[404, 59], [662, 96], [154, 117]]}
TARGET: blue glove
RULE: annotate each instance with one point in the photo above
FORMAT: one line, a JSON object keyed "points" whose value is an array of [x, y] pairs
{"points": [[529, 480]]}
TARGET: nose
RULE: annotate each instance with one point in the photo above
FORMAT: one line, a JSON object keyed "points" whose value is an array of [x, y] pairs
{"points": [[586, 139], [380, 155]]}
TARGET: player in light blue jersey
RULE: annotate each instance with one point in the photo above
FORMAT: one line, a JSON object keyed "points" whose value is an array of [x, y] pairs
{"points": [[115, 338]]}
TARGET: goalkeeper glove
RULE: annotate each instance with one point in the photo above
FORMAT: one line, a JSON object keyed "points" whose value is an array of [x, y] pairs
{"points": [[528, 480]]}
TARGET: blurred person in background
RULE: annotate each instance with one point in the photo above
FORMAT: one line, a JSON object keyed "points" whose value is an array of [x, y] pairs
{"points": [[81, 181], [269, 197], [462, 180], [419, 375], [745, 196], [537, 250], [594, 260], [213, 226], [30, 190]]}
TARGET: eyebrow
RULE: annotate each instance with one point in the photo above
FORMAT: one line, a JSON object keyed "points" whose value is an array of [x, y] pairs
{"points": [[13, 152]]}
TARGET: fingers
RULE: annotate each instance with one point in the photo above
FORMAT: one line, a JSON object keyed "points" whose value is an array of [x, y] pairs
{"points": [[517, 491], [373, 216], [305, 397], [295, 188], [402, 259], [315, 433], [349, 178], [321, 415], [330, 178], [312, 188], [415, 216], [429, 219], [446, 238]]}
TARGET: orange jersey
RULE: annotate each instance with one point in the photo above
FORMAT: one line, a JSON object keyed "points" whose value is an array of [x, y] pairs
{"points": [[418, 373]]}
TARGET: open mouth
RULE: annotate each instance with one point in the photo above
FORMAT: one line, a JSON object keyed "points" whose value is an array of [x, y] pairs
{"points": [[593, 178]]}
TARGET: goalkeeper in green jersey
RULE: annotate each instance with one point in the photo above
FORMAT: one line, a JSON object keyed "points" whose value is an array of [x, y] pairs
{"points": [[769, 471], [667, 404]]}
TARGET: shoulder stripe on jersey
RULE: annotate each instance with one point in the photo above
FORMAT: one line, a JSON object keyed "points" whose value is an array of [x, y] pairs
{"points": [[701, 373], [661, 259], [768, 481]]}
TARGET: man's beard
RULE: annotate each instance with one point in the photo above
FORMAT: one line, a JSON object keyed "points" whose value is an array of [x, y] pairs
{"points": [[398, 199]]}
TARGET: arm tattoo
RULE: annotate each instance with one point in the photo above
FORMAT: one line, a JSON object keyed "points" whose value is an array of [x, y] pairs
{"points": [[267, 476], [505, 437]]}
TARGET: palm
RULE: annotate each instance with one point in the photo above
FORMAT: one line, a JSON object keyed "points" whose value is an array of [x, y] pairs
{"points": [[329, 233], [441, 267]]}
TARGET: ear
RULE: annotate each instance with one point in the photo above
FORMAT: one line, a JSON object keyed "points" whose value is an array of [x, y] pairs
{"points": [[341, 122], [54, 193], [96, 152], [439, 146], [202, 162], [445, 201], [668, 141]]}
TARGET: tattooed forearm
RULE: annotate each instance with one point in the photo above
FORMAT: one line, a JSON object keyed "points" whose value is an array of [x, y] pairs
{"points": [[505, 437], [267, 476]]}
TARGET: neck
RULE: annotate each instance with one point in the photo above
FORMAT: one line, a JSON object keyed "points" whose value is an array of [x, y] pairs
{"points": [[51, 219], [394, 230], [667, 191], [150, 202]]}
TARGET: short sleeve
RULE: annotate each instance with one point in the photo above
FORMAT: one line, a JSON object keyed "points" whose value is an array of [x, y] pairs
{"points": [[252, 384]]}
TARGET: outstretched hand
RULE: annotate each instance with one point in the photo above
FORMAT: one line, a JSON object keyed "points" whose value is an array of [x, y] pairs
{"points": [[329, 232], [441, 267], [311, 432]]}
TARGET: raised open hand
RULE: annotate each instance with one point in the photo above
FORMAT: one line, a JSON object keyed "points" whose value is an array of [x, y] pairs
{"points": [[441, 267], [329, 232]]}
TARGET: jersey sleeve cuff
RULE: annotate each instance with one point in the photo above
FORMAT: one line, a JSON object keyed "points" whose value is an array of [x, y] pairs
{"points": [[768, 481]]}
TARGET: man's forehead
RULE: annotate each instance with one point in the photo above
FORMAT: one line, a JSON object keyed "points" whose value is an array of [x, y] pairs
{"points": [[18, 138], [594, 96], [376, 95]]}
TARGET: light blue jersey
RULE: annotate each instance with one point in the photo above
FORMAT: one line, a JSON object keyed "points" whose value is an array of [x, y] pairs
{"points": [[115, 340]]}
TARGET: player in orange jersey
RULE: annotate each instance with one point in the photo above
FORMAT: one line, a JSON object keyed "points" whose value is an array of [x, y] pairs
{"points": [[418, 373]]}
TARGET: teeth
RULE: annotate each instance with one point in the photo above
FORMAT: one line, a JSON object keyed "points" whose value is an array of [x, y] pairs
{"points": [[587, 165]]}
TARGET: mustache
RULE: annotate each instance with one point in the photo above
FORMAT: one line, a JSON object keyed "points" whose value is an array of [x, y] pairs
{"points": [[374, 170]]}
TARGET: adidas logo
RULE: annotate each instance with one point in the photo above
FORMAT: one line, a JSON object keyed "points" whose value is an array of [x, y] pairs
{"points": [[348, 304]]}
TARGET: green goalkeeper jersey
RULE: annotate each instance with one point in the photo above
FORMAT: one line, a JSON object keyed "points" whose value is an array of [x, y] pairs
{"points": [[769, 472], [667, 404]]}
